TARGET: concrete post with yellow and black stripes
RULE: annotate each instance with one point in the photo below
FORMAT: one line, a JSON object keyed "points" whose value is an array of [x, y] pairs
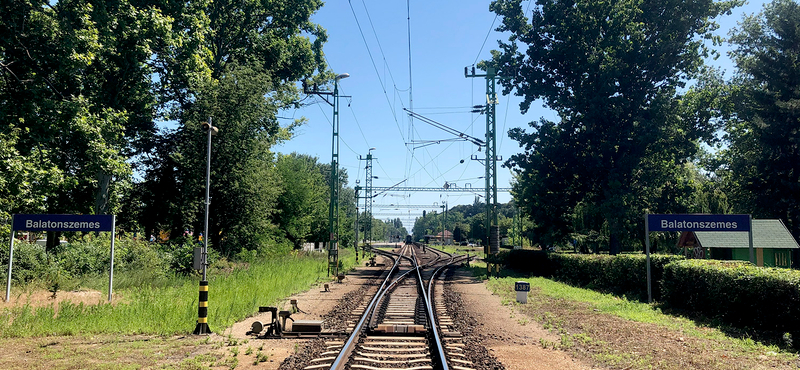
{"points": [[202, 310]]}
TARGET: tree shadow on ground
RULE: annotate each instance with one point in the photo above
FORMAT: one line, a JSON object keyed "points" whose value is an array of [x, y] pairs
{"points": [[781, 339]]}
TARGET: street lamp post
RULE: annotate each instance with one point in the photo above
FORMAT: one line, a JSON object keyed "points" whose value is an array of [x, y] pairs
{"points": [[202, 310]]}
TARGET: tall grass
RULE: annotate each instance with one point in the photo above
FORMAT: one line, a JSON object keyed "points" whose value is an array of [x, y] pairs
{"points": [[170, 307]]}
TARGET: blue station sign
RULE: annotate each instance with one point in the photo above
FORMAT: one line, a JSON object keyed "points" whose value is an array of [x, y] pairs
{"points": [[698, 222], [64, 222]]}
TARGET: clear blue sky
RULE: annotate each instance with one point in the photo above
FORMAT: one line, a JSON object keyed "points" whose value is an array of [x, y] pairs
{"points": [[446, 36]]}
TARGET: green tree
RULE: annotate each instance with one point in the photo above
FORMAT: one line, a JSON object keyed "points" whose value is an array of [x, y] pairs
{"points": [[76, 77], [428, 224], [347, 212], [459, 234], [238, 63], [477, 228], [392, 230], [22, 180], [302, 201], [761, 165], [612, 70]]}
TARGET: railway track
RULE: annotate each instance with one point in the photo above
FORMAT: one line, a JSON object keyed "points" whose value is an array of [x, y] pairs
{"points": [[405, 324]]}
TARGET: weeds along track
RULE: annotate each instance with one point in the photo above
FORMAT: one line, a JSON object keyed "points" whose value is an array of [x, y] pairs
{"points": [[404, 325]]}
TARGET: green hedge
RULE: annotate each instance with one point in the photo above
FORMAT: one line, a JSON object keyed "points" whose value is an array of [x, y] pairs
{"points": [[624, 274], [735, 292], [530, 261]]}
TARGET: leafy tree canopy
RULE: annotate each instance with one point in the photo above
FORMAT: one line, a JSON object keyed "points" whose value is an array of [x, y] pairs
{"points": [[760, 165], [612, 70]]}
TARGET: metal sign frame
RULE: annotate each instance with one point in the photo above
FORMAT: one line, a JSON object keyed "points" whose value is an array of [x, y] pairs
{"points": [[61, 223], [693, 222]]}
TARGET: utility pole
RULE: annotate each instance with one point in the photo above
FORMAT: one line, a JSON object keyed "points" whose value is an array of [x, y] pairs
{"points": [[333, 209], [444, 223], [368, 196], [355, 240], [202, 309], [492, 228], [518, 228], [445, 220]]}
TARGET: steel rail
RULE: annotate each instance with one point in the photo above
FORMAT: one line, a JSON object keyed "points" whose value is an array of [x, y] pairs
{"points": [[428, 302], [391, 281], [432, 321], [347, 348], [383, 292]]}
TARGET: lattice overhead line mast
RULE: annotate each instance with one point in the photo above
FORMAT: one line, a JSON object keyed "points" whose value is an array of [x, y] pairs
{"points": [[333, 210], [369, 196], [492, 223]]}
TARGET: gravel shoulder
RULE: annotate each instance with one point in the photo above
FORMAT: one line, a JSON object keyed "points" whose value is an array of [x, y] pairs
{"points": [[513, 339]]}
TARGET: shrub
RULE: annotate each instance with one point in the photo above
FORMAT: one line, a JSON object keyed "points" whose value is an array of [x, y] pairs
{"points": [[624, 274], [84, 258], [30, 261], [131, 254], [735, 292], [535, 262]]}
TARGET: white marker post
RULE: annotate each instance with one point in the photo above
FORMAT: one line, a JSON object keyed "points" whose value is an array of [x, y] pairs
{"points": [[522, 288]]}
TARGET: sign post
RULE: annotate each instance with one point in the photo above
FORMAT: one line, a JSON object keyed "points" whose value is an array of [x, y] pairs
{"points": [[61, 223], [693, 222], [10, 260]]}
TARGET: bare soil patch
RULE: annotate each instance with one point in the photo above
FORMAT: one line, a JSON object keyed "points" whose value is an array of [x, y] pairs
{"points": [[514, 340], [42, 298], [107, 351]]}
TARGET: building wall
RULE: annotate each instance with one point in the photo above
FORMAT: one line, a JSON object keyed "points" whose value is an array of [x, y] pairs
{"points": [[765, 257], [777, 258], [741, 254]]}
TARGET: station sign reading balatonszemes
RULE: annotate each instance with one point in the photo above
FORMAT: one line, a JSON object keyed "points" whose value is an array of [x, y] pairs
{"points": [[86, 223], [64, 222], [682, 222]]}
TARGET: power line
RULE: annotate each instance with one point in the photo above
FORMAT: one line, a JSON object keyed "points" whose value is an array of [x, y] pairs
{"points": [[410, 84], [378, 41], [375, 67], [411, 158], [505, 120], [447, 129], [462, 107], [331, 123], [484, 40], [410, 154], [450, 112], [358, 124]]}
